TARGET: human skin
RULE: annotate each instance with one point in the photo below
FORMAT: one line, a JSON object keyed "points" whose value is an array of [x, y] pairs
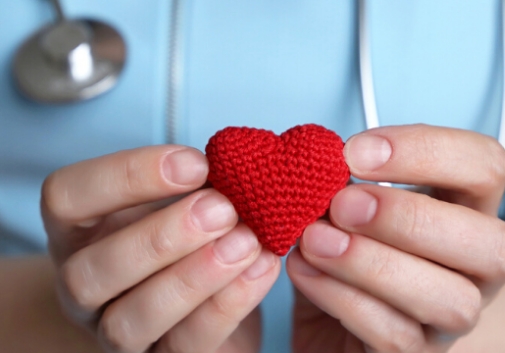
{"points": [[400, 271], [141, 275], [105, 217]]}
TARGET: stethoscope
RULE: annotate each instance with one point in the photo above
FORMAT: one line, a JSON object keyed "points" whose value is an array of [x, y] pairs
{"points": [[75, 60], [365, 63], [69, 60]]}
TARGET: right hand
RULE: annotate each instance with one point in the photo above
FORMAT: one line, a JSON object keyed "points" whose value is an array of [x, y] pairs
{"points": [[147, 277]]}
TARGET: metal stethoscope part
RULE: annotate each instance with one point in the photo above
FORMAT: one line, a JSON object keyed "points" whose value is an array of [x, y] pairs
{"points": [[69, 60]]}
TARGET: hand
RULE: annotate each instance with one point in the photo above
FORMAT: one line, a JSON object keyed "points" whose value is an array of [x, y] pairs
{"points": [[144, 276], [402, 271]]}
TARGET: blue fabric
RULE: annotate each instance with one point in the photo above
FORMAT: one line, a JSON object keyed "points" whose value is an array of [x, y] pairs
{"points": [[263, 63], [37, 139]]}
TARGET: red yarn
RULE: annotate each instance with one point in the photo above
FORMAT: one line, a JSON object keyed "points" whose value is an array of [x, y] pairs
{"points": [[278, 184]]}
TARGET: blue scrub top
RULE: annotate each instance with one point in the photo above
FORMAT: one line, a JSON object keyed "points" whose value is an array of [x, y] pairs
{"points": [[267, 64]]}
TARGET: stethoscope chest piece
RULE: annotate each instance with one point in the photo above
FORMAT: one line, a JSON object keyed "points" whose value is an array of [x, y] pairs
{"points": [[69, 61]]}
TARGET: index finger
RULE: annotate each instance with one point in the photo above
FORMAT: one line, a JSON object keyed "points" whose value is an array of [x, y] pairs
{"points": [[470, 165], [94, 188]]}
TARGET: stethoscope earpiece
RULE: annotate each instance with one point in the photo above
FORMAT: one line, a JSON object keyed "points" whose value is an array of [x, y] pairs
{"points": [[69, 61]]}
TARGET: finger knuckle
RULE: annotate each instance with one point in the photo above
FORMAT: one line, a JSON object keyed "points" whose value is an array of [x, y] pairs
{"points": [[181, 289], [414, 218], [173, 294], [492, 176], [224, 312], [116, 333], [80, 286], [188, 286], [405, 337], [174, 342], [408, 340], [156, 243], [498, 274], [431, 146], [133, 177], [358, 302], [461, 314], [384, 265], [495, 177]]}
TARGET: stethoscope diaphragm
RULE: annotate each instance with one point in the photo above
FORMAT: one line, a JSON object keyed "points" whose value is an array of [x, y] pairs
{"points": [[69, 61]]}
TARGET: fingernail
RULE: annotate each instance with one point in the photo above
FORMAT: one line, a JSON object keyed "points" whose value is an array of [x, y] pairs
{"points": [[326, 241], [263, 263], [235, 246], [213, 212], [366, 153], [185, 167], [353, 207], [301, 266]]}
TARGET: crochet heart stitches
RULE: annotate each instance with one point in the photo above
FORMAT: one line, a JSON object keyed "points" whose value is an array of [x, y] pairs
{"points": [[278, 184]]}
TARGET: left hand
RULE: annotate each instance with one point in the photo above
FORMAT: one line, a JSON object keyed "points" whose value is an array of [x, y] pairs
{"points": [[399, 271]]}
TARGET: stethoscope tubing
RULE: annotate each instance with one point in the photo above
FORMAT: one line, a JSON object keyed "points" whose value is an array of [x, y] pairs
{"points": [[501, 135], [366, 72], [365, 65]]}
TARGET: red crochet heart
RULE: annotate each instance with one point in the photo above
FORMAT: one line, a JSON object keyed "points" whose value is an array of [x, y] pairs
{"points": [[278, 184]]}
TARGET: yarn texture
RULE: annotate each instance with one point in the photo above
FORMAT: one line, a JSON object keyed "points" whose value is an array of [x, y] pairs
{"points": [[278, 184]]}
